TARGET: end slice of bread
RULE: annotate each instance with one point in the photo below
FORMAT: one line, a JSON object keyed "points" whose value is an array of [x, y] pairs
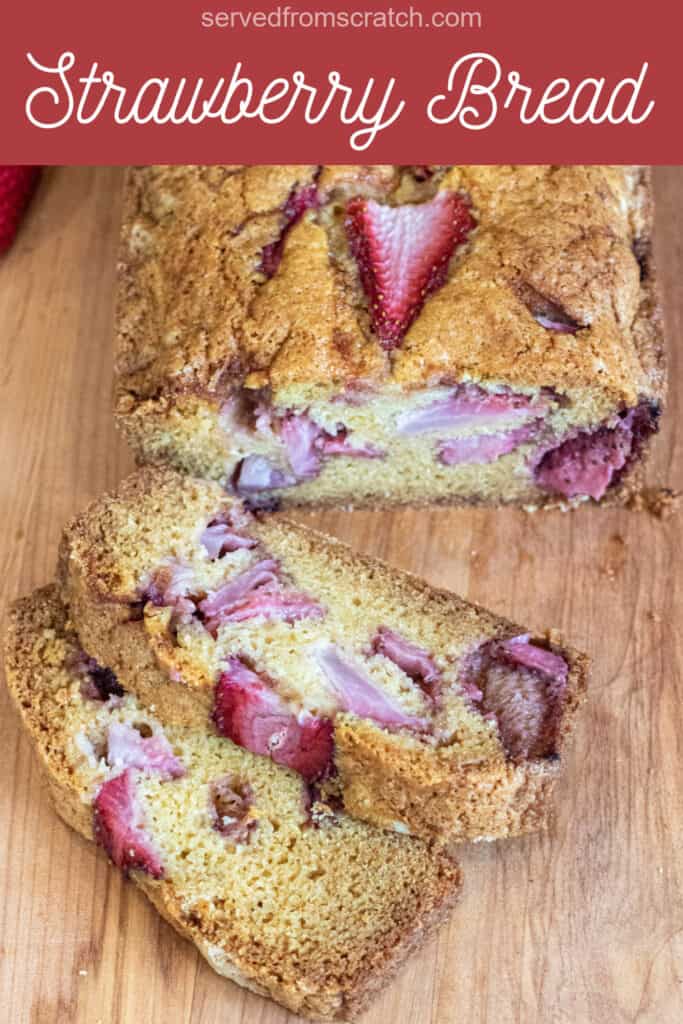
{"points": [[280, 893], [422, 712]]}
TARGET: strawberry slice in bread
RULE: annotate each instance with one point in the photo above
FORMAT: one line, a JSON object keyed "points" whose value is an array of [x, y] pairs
{"points": [[403, 254], [118, 826], [420, 712], [367, 336], [298, 202], [279, 892], [249, 711]]}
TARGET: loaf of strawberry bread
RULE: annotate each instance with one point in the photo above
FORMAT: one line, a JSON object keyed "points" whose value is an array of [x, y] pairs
{"points": [[420, 712], [374, 335], [279, 891]]}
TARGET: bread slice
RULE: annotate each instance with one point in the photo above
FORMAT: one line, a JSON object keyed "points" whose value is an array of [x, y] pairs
{"points": [[423, 713], [283, 896], [370, 336]]}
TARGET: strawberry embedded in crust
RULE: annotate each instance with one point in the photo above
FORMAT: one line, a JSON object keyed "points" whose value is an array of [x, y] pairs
{"points": [[299, 201], [546, 312], [119, 826], [250, 713], [559, 326], [403, 254]]}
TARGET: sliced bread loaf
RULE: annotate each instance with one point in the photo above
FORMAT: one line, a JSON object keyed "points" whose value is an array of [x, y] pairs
{"points": [[374, 336], [424, 713], [279, 892]]}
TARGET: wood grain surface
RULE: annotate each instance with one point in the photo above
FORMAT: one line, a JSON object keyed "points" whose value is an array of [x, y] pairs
{"points": [[583, 926]]}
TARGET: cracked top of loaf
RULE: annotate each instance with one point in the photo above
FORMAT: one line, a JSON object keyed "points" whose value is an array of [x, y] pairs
{"points": [[197, 313]]}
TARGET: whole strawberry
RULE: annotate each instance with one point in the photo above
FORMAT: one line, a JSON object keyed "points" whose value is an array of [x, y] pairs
{"points": [[17, 185]]}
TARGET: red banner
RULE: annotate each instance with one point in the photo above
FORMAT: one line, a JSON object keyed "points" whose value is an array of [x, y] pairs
{"points": [[350, 82]]}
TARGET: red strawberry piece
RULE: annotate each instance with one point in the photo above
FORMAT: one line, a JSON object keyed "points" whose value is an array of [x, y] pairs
{"points": [[285, 605], [17, 185], [403, 254], [171, 587], [300, 434], [252, 714], [521, 687], [482, 448], [153, 754], [469, 406], [558, 326], [341, 444], [586, 463], [522, 652], [307, 443], [299, 201], [119, 826], [98, 683], [231, 801], [258, 591], [411, 659], [256, 473], [226, 533], [357, 693]]}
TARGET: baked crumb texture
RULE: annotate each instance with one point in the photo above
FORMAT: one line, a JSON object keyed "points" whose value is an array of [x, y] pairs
{"points": [[419, 712], [376, 335], [279, 892]]}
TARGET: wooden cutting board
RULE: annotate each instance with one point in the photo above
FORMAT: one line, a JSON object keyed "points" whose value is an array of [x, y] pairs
{"points": [[583, 926]]}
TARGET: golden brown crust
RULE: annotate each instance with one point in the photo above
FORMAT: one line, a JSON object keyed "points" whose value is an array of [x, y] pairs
{"points": [[37, 645], [195, 314]]}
